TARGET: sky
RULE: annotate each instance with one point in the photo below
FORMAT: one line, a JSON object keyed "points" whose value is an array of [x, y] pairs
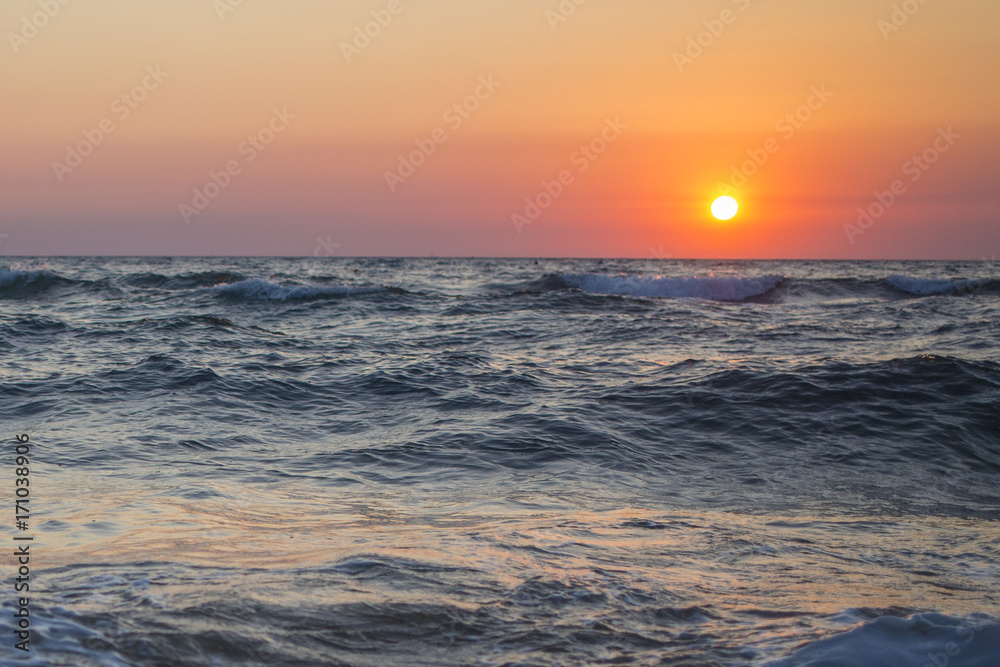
{"points": [[856, 129]]}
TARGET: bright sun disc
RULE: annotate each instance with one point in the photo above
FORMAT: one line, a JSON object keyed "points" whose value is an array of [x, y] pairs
{"points": [[725, 208]]}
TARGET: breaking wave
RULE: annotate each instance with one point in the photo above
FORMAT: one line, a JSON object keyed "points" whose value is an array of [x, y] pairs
{"points": [[923, 639], [18, 281]]}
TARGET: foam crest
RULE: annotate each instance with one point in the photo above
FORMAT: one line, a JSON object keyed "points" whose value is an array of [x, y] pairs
{"points": [[19, 280], [932, 640], [23, 276]]}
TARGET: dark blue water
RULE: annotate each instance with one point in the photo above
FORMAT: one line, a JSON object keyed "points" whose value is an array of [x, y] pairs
{"points": [[506, 462]]}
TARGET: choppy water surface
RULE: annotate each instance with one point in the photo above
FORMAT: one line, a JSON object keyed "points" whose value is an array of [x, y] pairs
{"points": [[507, 462]]}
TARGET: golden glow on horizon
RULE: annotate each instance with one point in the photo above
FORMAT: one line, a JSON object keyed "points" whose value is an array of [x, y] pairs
{"points": [[802, 169], [725, 208]]}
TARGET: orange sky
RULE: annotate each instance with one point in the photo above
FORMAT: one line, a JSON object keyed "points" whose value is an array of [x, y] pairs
{"points": [[872, 86]]}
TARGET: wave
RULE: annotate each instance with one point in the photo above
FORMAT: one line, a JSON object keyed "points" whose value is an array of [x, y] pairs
{"points": [[32, 325], [257, 289], [31, 281], [206, 322], [18, 281], [771, 288], [146, 613], [183, 281], [729, 288], [936, 286], [923, 639]]}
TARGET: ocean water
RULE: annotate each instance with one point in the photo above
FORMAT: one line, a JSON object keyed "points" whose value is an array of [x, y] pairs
{"points": [[505, 462]]}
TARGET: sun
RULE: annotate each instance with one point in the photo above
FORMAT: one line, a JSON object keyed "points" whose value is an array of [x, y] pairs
{"points": [[725, 208]]}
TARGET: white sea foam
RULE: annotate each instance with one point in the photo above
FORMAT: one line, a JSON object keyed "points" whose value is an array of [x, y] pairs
{"points": [[924, 640], [729, 288], [258, 289]]}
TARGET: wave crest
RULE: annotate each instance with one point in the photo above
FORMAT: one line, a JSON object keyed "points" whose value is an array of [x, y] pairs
{"points": [[728, 288], [934, 286], [923, 639], [19, 280], [257, 289], [183, 281]]}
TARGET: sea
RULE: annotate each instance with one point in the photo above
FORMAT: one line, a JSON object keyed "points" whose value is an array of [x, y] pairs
{"points": [[505, 462]]}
